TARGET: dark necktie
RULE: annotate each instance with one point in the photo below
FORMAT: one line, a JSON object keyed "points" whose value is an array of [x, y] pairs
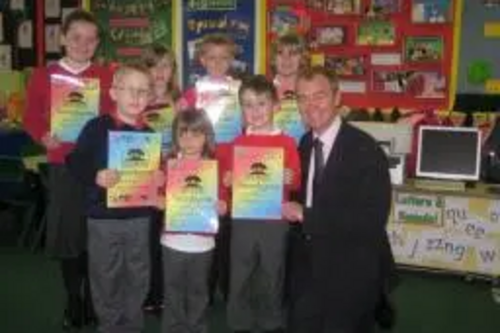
{"points": [[319, 164]]}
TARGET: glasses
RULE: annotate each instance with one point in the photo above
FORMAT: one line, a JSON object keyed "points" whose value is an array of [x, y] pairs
{"points": [[141, 93]]}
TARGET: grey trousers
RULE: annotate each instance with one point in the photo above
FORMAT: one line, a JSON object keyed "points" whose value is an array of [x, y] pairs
{"points": [[186, 291], [119, 266], [258, 252]]}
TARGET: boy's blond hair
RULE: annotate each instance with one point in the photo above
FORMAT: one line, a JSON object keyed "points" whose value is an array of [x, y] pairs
{"points": [[125, 69], [216, 39]]}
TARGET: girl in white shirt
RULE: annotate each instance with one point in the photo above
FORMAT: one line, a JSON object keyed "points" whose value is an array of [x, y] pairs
{"points": [[187, 257]]}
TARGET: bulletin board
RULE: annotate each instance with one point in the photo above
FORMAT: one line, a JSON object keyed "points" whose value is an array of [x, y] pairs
{"points": [[479, 68], [18, 22], [386, 53], [242, 20], [129, 26], [447, 232]]}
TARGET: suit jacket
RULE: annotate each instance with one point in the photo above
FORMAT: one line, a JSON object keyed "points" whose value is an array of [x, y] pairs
{"points": [[350, 256]]}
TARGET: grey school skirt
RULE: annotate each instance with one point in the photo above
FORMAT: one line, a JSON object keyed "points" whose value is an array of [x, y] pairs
{"points": [[66, 222]]}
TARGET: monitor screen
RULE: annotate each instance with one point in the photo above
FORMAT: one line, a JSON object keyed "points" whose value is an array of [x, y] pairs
{"points": [[449, 153], [398, 135]]}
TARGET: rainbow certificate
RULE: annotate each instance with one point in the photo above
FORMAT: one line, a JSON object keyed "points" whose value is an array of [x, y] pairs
{"points": [[288, 119], [74, 101], [191, 198], [136, 156], [160, 120], [257, 183], [219, 99]]}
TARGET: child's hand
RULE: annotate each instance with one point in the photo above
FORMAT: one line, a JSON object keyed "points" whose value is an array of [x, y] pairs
{"points": [[292, 211], [288, 176], [159, 178], [50, 142], [107, 178], [227, 179], [221, 207]]}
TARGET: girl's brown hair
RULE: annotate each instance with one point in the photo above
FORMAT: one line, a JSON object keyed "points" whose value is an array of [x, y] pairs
{"points": [[78, 15], [193, 120], [153, 55]]}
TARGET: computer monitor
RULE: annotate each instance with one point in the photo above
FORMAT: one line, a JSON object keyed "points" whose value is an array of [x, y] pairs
{"points": [[398, 135], [450, 153]]}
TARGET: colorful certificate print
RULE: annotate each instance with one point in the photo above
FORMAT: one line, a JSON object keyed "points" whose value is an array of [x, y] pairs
{"points": [[257, 183], [191, 198], [135, 189], [219, 99], [74, 101], [136, 156], [134, 151], [288, 119], [160, 120]]}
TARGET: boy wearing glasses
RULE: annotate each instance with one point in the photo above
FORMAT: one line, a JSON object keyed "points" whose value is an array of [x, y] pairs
{"points": [[118, 238]]}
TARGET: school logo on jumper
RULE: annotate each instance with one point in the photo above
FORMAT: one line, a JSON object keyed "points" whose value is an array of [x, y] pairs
{"points": [[193, 182]]}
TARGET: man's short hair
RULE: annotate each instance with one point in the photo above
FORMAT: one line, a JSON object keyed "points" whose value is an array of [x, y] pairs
{"points": [[310, 73]]}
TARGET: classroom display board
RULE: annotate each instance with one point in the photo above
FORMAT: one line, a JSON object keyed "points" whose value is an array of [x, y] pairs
{"points": [[478, 66], [387, 53], [242, 20], [131, 25], [18, 22], [446, 232]]}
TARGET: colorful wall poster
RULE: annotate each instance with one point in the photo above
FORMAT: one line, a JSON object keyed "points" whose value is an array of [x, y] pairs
{"points": [[192, 196], [74, 101], [131, 26], [257, 183], [239, 19]]}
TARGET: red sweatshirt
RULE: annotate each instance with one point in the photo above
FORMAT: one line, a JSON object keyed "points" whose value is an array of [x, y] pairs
{"points": [[292, 159], [37, 111]]}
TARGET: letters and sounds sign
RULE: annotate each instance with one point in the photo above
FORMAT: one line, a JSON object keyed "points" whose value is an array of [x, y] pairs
{"points": [[446, 232]]}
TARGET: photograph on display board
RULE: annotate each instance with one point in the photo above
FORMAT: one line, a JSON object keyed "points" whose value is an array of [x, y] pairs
{"points": [[385, 7], [343, 7], [431, 11], [426, 84], [390, 81], [285, 20], [423, 49], [376, 33], [346, 66], [328, 36]]}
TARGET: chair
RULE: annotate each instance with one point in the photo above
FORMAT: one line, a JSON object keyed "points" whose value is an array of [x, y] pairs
{"points": [[19, 191]]}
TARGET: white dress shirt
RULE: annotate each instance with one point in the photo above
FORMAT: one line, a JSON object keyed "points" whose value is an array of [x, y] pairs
{"points": [[327, 138]]}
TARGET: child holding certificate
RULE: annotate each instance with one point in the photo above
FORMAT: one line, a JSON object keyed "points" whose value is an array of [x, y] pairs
{"points": [[266, 167], [289, 58], [118, 238], [60, 99], [192, 207], [217, 94], [159, 116]]}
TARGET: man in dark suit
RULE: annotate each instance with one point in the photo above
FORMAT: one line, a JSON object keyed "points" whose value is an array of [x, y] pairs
{"points": [[341, 258]]}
